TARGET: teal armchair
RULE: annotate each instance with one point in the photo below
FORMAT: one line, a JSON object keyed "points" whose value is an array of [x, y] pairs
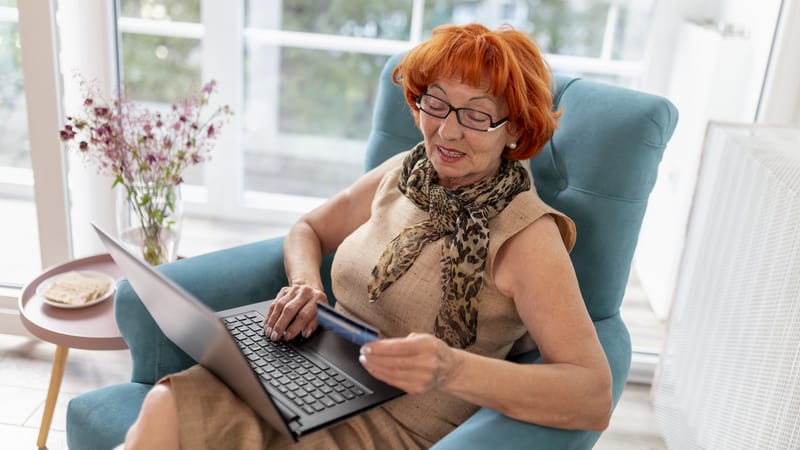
{"points": [[599, 169]]}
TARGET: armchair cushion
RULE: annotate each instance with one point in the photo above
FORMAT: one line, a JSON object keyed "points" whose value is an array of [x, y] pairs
{"points": [[99, 419]]}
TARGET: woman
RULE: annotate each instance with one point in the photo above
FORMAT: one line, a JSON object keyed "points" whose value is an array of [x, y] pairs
{"points": [[449, 251]]}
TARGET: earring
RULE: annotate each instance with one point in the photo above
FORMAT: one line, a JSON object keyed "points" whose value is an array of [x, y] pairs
{"points": [[512, 145]]}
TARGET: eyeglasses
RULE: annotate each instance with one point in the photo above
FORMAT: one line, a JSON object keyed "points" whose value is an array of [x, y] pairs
{"points": [[467, 117]]}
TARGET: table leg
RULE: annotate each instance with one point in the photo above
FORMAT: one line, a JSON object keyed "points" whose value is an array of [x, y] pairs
{"points": [[59, 363]]}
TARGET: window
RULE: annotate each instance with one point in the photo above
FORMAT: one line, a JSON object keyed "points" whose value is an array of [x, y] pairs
{"points": [[161, 52], [13, 130], [323, 82], [308, 71], [18, 239]]}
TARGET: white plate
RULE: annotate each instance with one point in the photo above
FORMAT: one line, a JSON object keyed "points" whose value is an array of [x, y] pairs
{"points": [[44, 285]]}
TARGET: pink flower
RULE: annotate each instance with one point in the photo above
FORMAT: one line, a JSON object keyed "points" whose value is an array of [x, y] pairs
{"points": [[136, 145], [66, 135]]}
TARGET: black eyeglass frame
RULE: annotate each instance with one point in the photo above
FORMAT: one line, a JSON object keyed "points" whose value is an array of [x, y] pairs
{"points": [[492, 125]]}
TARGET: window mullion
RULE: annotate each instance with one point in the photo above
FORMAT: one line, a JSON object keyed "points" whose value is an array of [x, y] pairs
{"points": [[223, 62], [609, 34], [417, 16], [37, 42], [88, 49]]}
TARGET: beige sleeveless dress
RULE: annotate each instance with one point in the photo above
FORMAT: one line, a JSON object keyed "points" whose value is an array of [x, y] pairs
{"points": [[409, 305]]}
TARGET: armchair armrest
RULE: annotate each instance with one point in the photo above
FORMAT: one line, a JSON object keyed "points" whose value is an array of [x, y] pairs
{"points": [[223, 279], [490, 429]]}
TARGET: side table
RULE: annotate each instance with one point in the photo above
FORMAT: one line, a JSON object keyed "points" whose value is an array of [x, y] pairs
{"points": [[90, 328]]}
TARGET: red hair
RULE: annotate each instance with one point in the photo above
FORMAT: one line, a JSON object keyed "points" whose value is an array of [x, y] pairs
{"points": [[511, 61]]}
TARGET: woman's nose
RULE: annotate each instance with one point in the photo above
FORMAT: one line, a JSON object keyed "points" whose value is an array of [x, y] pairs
{"points": [[449, 128]]}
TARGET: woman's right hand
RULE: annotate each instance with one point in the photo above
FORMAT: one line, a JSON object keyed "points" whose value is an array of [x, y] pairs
{"points": [[293, 311]]}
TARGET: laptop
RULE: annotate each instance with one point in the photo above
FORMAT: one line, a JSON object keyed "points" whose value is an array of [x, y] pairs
{"points": [[298, 387]]}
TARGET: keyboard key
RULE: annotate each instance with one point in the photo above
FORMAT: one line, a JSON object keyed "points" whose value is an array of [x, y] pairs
{"points": [[357, 391], [321, 364]]}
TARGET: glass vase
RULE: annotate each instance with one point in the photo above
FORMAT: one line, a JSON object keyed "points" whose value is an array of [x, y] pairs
{"points": [[149, 220]]}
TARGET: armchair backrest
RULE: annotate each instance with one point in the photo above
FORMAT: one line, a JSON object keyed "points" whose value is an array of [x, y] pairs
{"points": [[598, 168]]}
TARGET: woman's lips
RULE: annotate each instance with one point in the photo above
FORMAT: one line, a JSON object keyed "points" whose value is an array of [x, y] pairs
{"points": [[449, 155]]}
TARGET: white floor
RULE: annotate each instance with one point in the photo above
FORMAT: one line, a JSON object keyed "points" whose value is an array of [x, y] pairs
{"points": [[25, 365]]}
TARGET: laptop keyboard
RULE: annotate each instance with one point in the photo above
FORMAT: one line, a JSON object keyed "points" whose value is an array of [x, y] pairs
{"points": [[310, 384]]}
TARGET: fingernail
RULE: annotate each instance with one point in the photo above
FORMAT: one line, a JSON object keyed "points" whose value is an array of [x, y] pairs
{"points": [[267, 331], [306, 333], [365, 350], [362, 359], [273, 336]]}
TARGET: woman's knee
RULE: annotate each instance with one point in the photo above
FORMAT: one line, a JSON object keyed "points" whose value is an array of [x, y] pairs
{"points": [[160, 397], [157, 424]]}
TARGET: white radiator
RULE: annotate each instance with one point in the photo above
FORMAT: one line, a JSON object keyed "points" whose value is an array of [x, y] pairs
{"points": [[729, 375]]}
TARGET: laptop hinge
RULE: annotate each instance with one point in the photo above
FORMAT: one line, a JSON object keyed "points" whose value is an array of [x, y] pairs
{"points": [[296, 426]]}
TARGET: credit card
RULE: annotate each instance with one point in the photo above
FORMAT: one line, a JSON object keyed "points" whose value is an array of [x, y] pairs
{"points": [[347, 327]]}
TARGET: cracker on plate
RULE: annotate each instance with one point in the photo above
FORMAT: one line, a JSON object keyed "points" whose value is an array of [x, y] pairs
{"points": [[75, 289]]}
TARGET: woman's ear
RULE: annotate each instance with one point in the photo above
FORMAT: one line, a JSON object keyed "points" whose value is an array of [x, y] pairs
{"points": [[514, 131]]}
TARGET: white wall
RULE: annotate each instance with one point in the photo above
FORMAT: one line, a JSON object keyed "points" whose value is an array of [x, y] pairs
{"points": [[781, 102], [710, 59]]}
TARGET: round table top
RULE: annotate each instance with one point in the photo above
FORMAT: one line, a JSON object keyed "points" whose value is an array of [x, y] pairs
{"points": [[90, 328]]}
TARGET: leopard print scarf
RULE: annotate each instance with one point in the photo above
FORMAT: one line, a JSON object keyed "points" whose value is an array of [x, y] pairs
{"points": [[461, 216]]}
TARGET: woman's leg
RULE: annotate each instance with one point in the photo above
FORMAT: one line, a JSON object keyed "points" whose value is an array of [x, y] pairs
{"points": [[157, 424]]}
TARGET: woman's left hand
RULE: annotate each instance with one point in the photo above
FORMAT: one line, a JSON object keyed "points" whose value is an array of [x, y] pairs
{"points": [[416, 363]]}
